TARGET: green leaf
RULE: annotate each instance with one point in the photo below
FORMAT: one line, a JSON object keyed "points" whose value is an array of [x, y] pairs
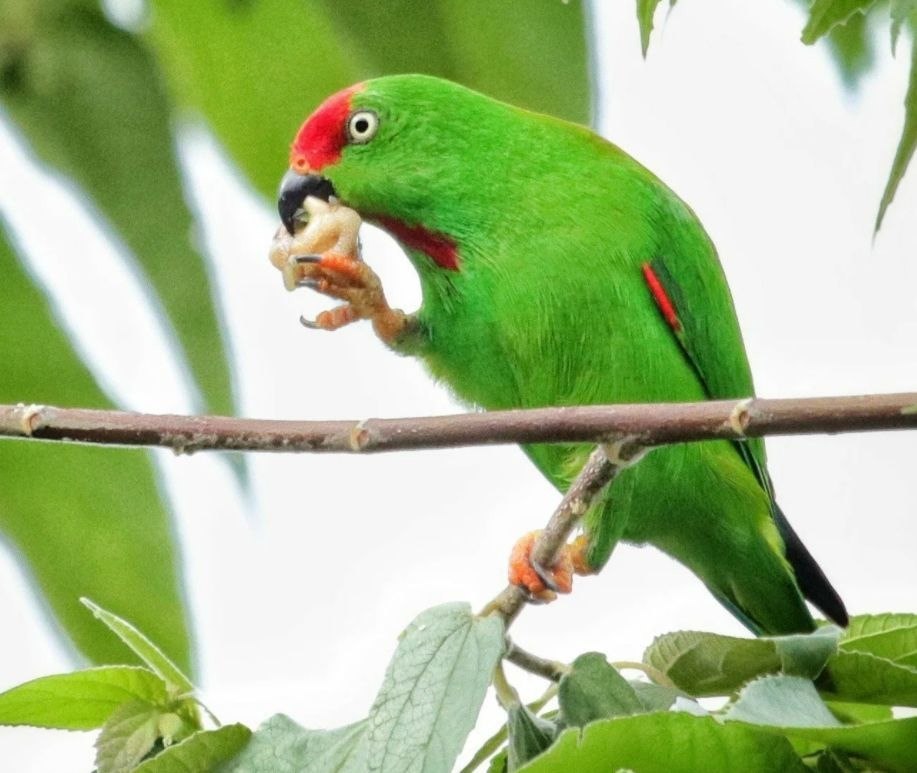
{"points": [[901, 11], [710, 664], [83, 700], [487, 749], [529, 736], [655, 697], [495, 741], [891, 636], [783, 701], [148, 652], [127, 737], [257, 69], [867, 678], [790, 706], [433, 689], [830, 761], [858, 713], [646, 10], [90, 99], [593, 690], [500, 763], [280, 745], [806, 654], [824, 15], [891, 744], [908, 660], [253, 69], [427, 705], [668, 742], [200, 752], [906, 144], [541, 47], [84, 520], [852, 45]]}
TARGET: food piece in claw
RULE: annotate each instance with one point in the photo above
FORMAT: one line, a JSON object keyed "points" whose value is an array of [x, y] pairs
{"points": [[330, 227], [324, 255]]}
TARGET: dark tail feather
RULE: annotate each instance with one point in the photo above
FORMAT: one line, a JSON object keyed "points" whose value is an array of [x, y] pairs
{"points": [[812, 581]]}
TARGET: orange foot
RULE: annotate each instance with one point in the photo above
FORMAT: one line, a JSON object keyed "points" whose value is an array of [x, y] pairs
{"points": [[341, 276], [543, 584]]}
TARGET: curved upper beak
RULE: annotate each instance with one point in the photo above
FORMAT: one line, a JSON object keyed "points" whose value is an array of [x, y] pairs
{"points": [[294, 188]]}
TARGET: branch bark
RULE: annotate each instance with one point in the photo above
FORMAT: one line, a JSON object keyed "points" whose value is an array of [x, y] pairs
{"points": [[611, 426], [647, 424], [551, 670]]}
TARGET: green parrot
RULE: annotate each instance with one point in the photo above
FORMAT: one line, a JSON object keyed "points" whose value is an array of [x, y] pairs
{"points": [[556, 270]]}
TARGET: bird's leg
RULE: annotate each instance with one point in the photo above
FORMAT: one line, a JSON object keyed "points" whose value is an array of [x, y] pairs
{"points": [[340, 276], [324, 255], [579, 556], [544, 583]]}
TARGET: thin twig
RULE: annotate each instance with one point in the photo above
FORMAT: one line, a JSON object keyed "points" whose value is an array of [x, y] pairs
{"points": [[597, 473], [649, 424], [507, 696], [553, 670], [652, 672]]}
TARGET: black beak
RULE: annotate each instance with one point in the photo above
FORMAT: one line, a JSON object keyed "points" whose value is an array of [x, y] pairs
{"points": [[294, 188]]}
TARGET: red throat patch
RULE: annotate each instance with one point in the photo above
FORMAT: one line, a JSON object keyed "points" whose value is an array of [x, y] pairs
{"points": [[439, 247], [322, 137]]}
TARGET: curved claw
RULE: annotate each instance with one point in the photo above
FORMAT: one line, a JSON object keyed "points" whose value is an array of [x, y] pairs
{"points": [[309, 323], [541, 583], [547, 577], [311, 284], [311, 258]]}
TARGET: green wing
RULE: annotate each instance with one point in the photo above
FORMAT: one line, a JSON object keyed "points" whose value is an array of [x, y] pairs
{"points": [[722, 373], [717, 356]]}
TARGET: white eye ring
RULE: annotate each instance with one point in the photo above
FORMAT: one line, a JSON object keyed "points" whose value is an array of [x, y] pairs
{"points": [[362, 126]]}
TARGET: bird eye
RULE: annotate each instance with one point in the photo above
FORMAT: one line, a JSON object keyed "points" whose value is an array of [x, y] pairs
{"points": [[362, 126]]}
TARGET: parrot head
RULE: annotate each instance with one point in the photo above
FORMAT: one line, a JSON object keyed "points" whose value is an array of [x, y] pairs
{"points": [[414, 154]]}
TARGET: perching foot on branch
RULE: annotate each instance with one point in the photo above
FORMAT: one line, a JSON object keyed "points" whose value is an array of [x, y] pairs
{"points": [[544, 583]]}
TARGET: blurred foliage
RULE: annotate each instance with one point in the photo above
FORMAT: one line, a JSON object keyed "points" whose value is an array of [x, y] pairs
{"points": [[255, 70], [99, 104], [646, 13], [149, 716], [853, 46], [775, 717], [908, 142], [824, 15], [828, 17], [89, 97], [86, 520], [845, 25]]}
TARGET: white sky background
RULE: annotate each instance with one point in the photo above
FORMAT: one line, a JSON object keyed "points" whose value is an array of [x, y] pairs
{"points": [[298, 602]]}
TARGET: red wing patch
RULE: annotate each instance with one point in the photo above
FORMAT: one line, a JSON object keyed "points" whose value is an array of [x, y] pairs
{"points": [[662, 298], [662, 287]]}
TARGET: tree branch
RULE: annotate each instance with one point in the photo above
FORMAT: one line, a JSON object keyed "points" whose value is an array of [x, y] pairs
{"points": [[648, 425], [551, 670], [624, 426]]}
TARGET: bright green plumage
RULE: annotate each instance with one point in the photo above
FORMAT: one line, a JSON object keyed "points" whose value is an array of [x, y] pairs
{"points": [[550, 306]]}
